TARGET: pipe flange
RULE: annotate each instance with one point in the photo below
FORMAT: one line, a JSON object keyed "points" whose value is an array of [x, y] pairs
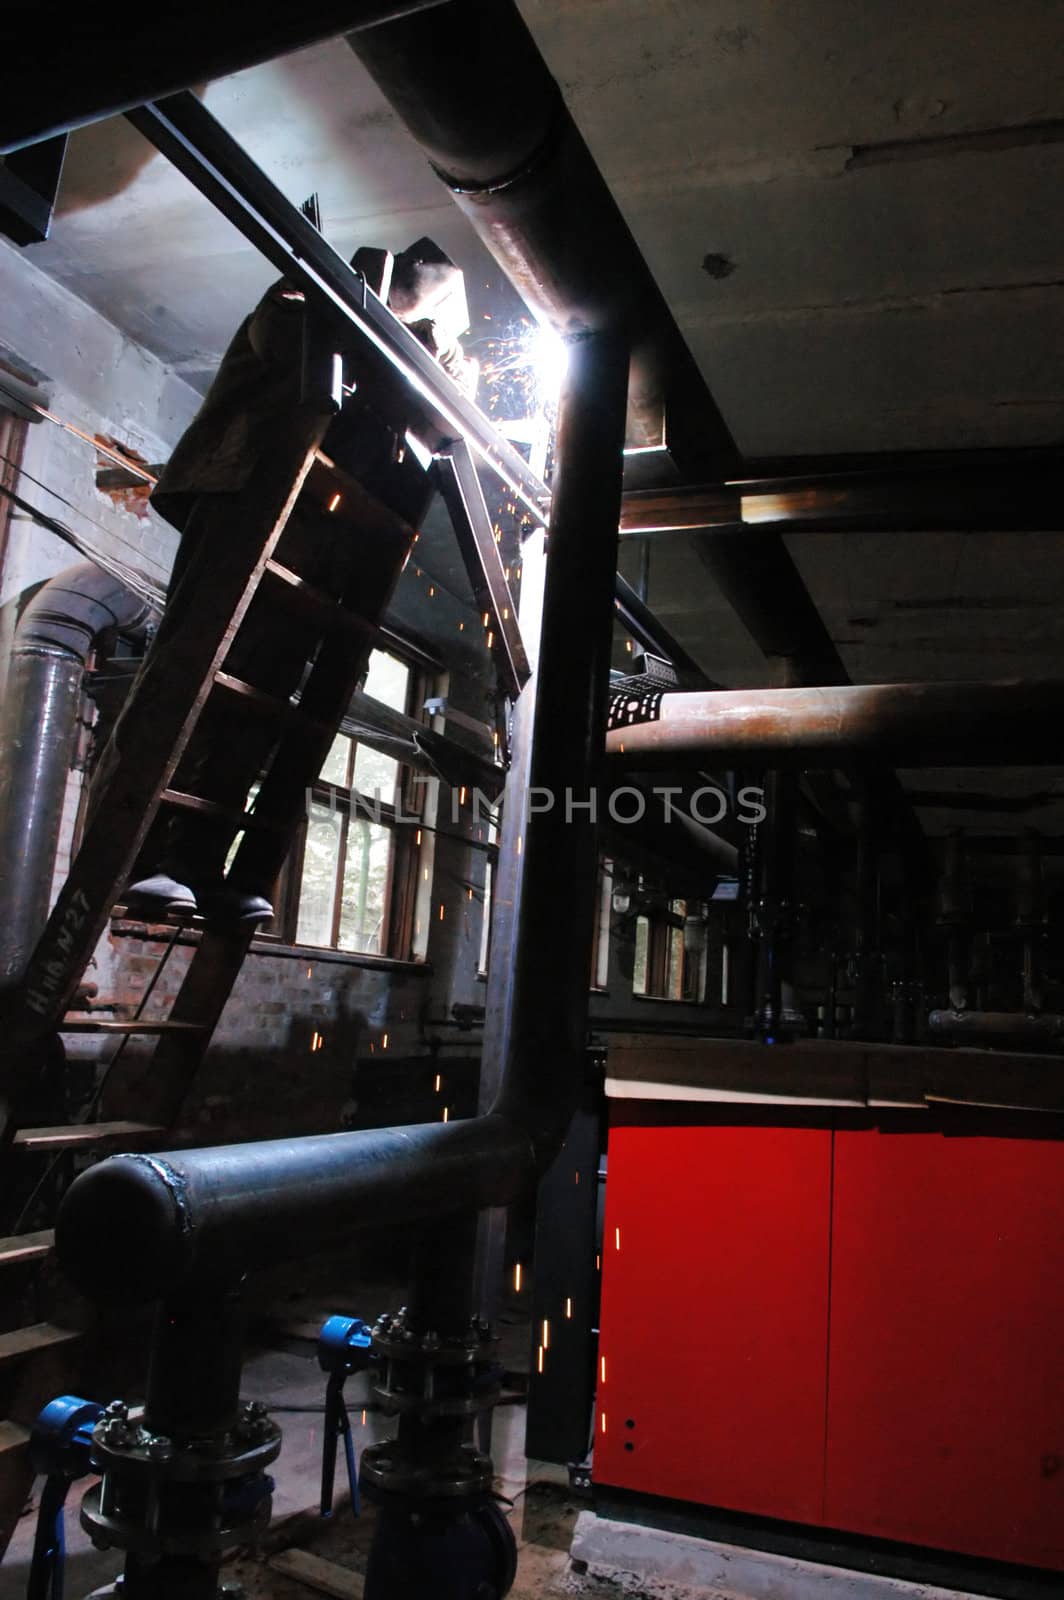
{"points": [[122, 1445], [385, 1470], [394, 1339]]}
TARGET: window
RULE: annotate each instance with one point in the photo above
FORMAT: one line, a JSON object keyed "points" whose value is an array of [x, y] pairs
{"points": [[600, 948], [665, 969], [355, 869]]}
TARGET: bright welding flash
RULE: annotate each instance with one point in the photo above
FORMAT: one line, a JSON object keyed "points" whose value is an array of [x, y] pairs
{"points": [[549, 358]]}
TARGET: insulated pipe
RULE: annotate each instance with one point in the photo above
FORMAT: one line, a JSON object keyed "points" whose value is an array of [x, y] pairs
{"points": [[136, 1227], [904, 724], [38, 728], [999, 1028], [103, 70], [470, 84], [213, 1214]]}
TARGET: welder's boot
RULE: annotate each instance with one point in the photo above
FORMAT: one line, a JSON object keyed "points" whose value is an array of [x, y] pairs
{"points": [[155, 898], [159, 896]]}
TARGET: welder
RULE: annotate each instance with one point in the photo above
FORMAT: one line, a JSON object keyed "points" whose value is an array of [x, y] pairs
{"points": [[258, 385]]}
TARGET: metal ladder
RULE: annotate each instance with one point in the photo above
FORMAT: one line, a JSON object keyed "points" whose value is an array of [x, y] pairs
{"points": [[163, 712]]}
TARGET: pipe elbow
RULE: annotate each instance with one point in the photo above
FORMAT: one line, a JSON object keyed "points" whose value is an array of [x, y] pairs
{"points": [[124, 1231], [68, 612]]}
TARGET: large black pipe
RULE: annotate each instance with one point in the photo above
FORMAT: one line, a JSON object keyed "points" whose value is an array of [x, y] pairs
{"points": [[103, 65], [137, 1227], [38, 727], [470, 84]]}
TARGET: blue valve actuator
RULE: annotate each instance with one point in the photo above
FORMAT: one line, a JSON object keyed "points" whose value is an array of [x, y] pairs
{"points": [[343, 1347], [61, 1449]]}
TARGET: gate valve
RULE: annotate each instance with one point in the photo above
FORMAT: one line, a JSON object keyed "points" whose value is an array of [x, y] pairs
{"points": [[343, 1348], [61, 1450]]}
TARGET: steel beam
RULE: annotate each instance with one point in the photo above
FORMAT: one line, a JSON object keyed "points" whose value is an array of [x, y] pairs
{"points": [[638, 620], [197, 144], [1008, 723], [456, 475], [986, 491], [105, 66]]}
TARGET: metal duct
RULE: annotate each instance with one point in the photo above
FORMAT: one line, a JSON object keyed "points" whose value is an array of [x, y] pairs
{"points": [[470, 84], [38, 726]]}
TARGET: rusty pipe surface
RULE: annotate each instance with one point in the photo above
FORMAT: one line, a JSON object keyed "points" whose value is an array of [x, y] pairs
{"points": [[905, 724], [469, 82]]}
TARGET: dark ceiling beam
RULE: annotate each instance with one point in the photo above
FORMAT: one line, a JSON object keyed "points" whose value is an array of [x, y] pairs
{"points": [[1018, 492], [470, 84], [63, 68], [648, 630]]}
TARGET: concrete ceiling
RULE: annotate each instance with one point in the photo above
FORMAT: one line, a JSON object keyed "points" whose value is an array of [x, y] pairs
{"points": [[853, 210]]}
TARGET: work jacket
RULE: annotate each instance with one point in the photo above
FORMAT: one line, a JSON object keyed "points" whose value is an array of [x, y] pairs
{"points": [[258, 382]]}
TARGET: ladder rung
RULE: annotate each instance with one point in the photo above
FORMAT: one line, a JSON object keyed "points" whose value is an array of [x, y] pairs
{"points": [[326, 610], [23, 1342], [25, 1247], [247, 820], [13, 1439], [149, 1027], [80, 1135], [256, 699], [283, 712]]}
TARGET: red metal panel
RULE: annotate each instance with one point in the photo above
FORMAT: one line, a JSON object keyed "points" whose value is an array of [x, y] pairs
{"points": [[714, 1317], [946, 1419]]}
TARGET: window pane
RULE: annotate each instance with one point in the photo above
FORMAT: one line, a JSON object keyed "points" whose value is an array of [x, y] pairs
{"points": [[365, 888], [485, 925], [376, 776], [388, 679], [642, 947], [674, 990], [321, 861], [335, 768]]}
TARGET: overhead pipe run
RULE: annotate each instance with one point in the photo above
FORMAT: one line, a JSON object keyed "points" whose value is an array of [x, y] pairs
{"points": [[904, 724], [470, 84], [38, 728]]}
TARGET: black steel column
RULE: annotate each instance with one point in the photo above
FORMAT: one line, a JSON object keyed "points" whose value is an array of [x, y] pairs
{"points": [[552, 958], [506, 904], [557, 867]]}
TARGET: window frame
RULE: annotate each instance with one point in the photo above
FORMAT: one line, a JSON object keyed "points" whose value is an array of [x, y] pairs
{"points": [[665, 925], [401, 818]]}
